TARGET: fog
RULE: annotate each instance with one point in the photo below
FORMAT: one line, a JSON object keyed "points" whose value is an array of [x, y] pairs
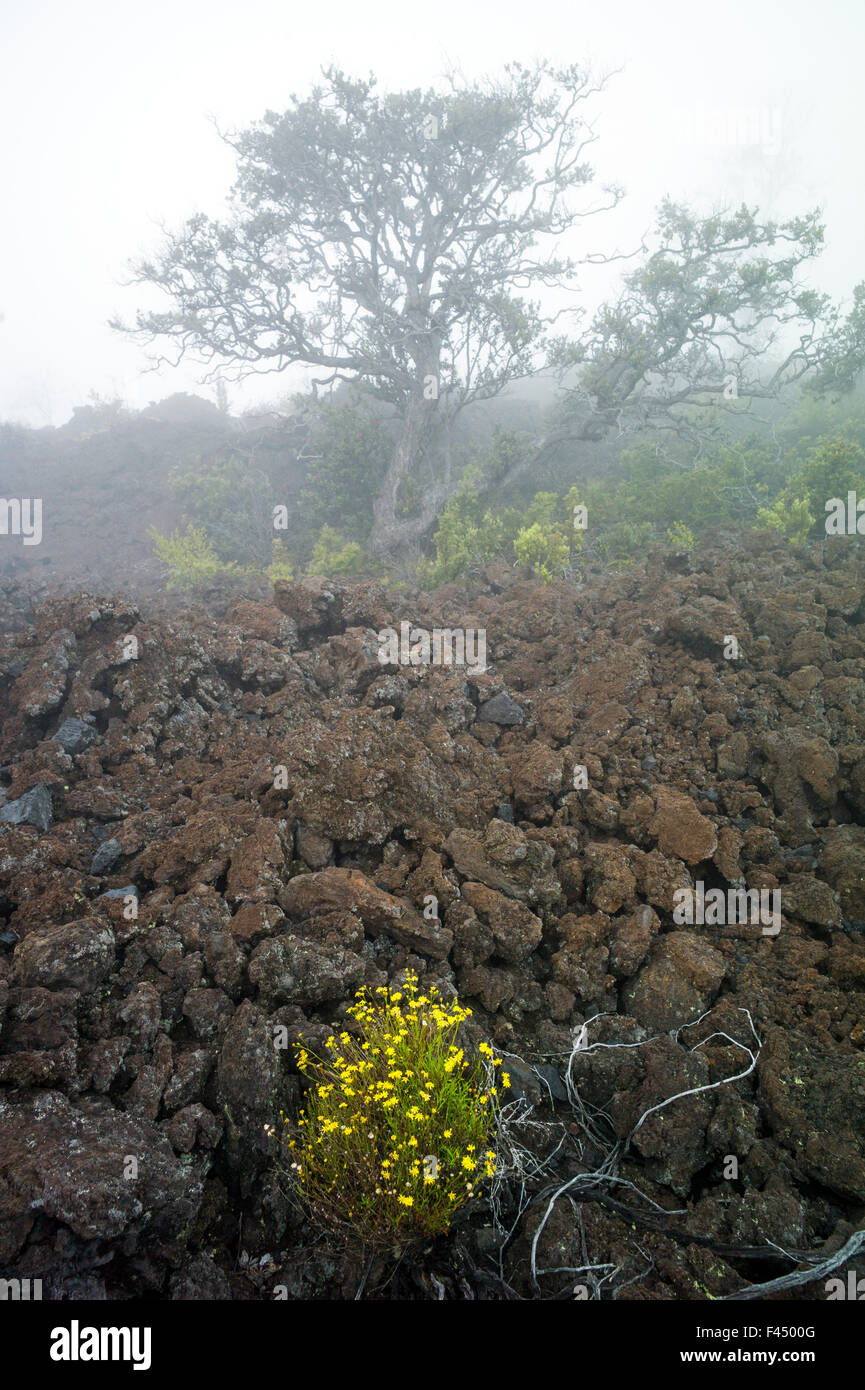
{"points": [[432, 726], [108, 116]]}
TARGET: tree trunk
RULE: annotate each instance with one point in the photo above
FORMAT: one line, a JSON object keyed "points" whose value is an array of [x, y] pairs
{"points": [[390, 530]]}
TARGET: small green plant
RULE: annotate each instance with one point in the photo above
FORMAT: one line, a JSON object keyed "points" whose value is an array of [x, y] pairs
{"points": [[397, 1131], [466, 538], [279, 567], [792, 517], [544, 548], [233, 501], [621, 546], [681, 536], [190, 557], [831, 469], [333, 554]]}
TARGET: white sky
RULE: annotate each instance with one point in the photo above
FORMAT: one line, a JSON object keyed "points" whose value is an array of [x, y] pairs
{"points": [[106, 108]]}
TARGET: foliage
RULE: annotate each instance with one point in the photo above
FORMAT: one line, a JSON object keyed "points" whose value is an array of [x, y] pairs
{"points": [[542, 509], [467, 536], [625, 543], [333, 554], [397, 1130], [190, 557], [233, 502], [841, 367], [544, 549], [350, 450], [722, 289], [812, 418], [192, 560], [792, 517], [391, 240], [342, 197], [664, 490], [508, 451], [279, 567], [601, 499], [681, 536], [831, 468], [549, 540]]}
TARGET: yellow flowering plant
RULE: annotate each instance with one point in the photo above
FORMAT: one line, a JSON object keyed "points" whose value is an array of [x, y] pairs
{"points": [[397, 1131]]}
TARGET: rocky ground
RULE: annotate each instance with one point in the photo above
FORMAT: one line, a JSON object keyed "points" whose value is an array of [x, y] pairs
{"points": [[218, 820]]}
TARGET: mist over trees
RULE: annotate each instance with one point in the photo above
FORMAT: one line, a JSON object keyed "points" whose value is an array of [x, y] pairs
{"points": [[432, 735], [418, 245]]}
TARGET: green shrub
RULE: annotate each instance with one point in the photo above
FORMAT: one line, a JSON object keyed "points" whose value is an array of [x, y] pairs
{"points": [[351, 452], [624, 544], [397, 1130], [233, 502], [698, 493], [507, 450], [544, 548], [467, 536], [601, 500], [542, 510], [279, 567], [791, 516], [832, 469], [681, 536], [332, 554], [190, 557]]}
